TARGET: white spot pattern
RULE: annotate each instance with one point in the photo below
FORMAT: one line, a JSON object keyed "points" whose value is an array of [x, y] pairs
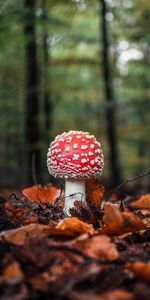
{"points": [[69, 139], [83, 160], [90, 153], [83, 147], [85, 169], [97, 150], [67, 149], [75, 160], [75, 146], [76, 156], [92, 146]]}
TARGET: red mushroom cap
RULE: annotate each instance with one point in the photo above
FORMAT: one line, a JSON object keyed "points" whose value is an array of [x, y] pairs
{"points": [[75, 154]]}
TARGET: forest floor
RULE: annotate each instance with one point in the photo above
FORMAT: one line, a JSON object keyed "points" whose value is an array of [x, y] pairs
{"points": [[101, 252]]}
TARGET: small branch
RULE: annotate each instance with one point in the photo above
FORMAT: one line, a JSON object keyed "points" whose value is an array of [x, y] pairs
{"points": [[71, 195], [131, 180], [64, 197], [124, 183], [12, 195]]}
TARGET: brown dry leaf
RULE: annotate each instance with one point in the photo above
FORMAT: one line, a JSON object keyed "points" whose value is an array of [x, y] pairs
{"points": [[132, 222], [142, 202], [40, 282], [95, 192], [117, 222], [42, 194], [75, 225], [116, 295], [140, 269], [111, 295], [112, 219], [113, 197], [12, 272], [99, 246], [19, 213], [18, 236], [73, 295]]}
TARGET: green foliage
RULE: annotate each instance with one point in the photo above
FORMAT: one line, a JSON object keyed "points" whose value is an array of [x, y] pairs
{"points": [[74, 77]]}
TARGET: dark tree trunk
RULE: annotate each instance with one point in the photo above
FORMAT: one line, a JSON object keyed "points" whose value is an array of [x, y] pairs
{"points": [[110, 101], [32, 101], [47, 100]]}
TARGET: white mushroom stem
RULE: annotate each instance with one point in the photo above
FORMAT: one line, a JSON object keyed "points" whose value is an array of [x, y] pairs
{"points": [[74, 191]]}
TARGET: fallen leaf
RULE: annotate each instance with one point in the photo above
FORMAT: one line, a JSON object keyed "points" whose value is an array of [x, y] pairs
{"points": [[73, 295], [117, 222], [18, 212], [140, 269], [75, 225], [142, 290], [62, 270], [111, 295], [112, 219], [12, 273], [18, 236], [116, 295], [99, 246], [95, 192], [132, 222], [42, 194], [142, 202], [113, 197]]}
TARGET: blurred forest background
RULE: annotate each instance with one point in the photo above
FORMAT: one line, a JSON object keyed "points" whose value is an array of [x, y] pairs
{"points": [[73, 64]]}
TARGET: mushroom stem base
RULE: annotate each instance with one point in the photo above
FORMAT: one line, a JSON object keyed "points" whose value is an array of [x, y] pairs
{"points": [[74, 191]]}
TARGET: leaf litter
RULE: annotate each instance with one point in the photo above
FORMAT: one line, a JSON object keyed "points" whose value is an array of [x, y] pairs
{"points": [[100, 252]]}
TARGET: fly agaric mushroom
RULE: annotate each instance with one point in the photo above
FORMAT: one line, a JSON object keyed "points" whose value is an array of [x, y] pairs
{"points": [[77, 157]]}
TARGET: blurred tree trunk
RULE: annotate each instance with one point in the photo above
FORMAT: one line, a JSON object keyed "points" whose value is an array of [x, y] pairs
{"points": [[110, 101], [32, 101], [47, 100]]}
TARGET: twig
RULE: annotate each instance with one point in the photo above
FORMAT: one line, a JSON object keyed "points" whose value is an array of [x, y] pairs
{"points": [[116, 189], [71, 195], [131, 180], [12, 195]]}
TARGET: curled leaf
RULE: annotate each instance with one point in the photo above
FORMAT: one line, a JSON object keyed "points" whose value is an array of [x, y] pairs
{"points": [[18, 236], [142, 202], [12, 273], [42, 194], [117, 295], [99, 246], [110, 295], [95, 192], [75, 225], [140, 269], [117, 222]]}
